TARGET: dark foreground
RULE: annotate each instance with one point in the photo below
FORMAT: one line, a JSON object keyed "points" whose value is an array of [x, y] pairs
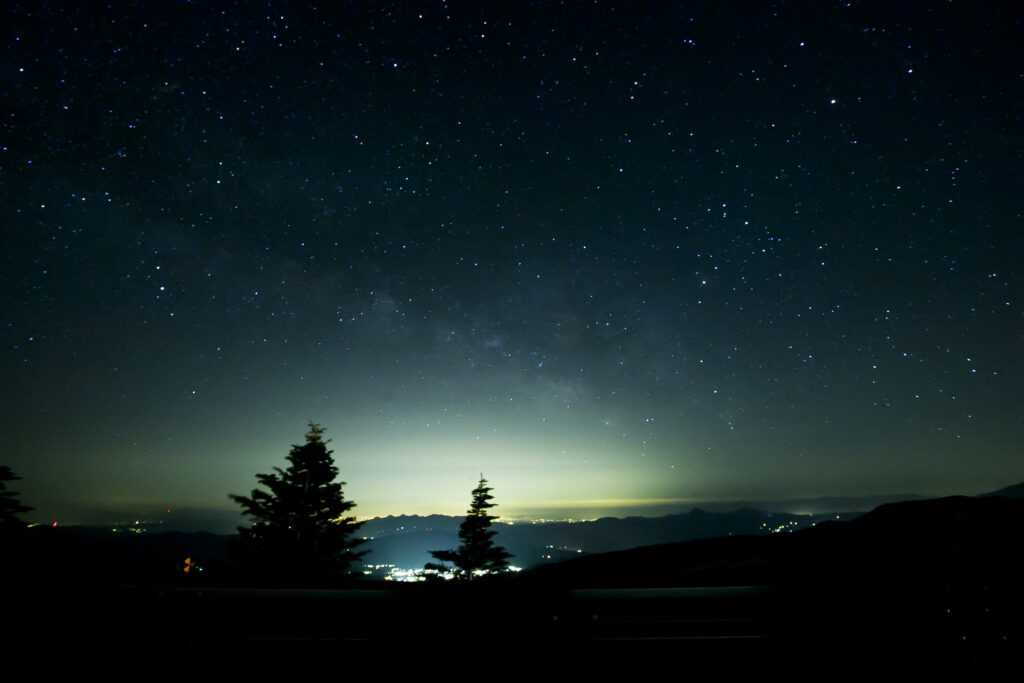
{"points": [[927, 590], [836, 633]]}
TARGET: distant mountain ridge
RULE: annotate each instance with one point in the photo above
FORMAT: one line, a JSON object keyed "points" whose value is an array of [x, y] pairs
{"points": [[406, 540], [227, 520], [956, 538], [1015, 491]]}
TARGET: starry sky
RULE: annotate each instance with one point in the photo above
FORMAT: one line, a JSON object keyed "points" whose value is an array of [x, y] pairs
{"points": [[615, 256]]}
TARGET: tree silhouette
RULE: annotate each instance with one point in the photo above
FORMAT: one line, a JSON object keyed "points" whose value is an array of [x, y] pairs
{"points": [[477, 554], [299, 525], [10, 506]]}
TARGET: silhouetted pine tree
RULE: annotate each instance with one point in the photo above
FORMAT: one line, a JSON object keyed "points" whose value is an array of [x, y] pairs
{"points": [[10, 506], [477, 552], [299, 526]]}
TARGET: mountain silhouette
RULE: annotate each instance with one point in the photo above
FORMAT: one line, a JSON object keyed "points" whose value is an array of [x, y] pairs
{"points": [[942, 539]]}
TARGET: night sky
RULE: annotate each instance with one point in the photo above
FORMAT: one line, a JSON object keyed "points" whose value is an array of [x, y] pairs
{"points": [[616, 257]]}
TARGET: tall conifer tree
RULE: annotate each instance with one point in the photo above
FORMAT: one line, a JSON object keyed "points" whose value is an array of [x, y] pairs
{"points": [[300, 527], [477, 552]]}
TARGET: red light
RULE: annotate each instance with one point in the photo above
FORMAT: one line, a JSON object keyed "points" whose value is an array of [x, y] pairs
{"points": [[54, 524]]}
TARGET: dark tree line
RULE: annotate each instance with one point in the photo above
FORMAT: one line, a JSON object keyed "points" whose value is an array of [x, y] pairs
{"points": [[301, 526], [10, 506]]}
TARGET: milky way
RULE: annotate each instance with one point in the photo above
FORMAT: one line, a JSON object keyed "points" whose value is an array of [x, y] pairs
{"points": [[614, 259]]}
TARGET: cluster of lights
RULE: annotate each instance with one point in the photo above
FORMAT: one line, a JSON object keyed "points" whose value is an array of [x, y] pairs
{"points": [[567, 549], [570, 520], [413, 575], [788, 527]]}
